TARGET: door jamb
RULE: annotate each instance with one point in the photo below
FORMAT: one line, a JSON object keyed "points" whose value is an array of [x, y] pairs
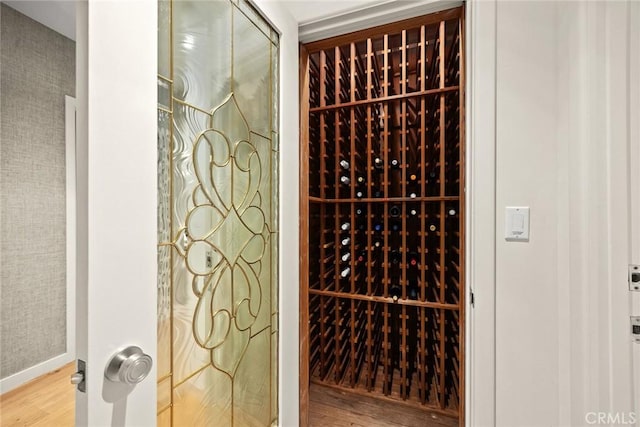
{"points": [[70, 166], [480, 121]]}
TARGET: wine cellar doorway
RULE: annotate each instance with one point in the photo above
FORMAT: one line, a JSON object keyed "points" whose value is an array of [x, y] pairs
{"points": [[382, 215]]}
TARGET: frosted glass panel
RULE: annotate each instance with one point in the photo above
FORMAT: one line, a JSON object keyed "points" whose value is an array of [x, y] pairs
{"points": [[275, 91], [201, 51], [164, 250], [164, 38], [203, 400], [252, 71], [217, 215]]}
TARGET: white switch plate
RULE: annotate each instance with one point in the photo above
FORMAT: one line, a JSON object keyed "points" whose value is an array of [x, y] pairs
{"points": [[516, 224]]}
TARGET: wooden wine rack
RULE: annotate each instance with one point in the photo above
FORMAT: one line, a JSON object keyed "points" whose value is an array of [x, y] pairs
{"points": [[389, 93]]}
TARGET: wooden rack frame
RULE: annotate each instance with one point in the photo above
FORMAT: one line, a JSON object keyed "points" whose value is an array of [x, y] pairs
{"points": [[393, 325]]}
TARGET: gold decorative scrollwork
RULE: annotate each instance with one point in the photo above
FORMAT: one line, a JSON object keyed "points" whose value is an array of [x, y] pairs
{"points": [[225, 236]]}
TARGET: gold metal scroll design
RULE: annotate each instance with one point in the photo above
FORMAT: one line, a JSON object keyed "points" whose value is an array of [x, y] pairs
{"points": [[225, 237]]}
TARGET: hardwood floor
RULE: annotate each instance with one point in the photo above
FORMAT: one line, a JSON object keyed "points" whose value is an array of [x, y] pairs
{"points": [[330, 407], [46, 401], [49, 401]]}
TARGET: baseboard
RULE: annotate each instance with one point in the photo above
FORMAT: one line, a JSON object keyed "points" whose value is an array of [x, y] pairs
{"points": [[19, 378]]}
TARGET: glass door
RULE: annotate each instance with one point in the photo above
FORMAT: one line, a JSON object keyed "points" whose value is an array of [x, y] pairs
{"points": [[217, 215]]}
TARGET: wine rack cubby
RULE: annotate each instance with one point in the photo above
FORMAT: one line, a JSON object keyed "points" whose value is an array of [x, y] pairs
{"points": [[383, 166]]}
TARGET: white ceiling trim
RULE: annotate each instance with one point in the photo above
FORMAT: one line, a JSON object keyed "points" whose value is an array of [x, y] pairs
{"points": [[366, 17]]}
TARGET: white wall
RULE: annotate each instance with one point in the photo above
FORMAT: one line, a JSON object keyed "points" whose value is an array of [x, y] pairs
{"points": [[526, 175], [562, 122], [37, 335]]}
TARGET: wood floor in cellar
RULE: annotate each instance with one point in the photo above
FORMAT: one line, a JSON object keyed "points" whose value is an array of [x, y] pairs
{"points": [[331, 407]]}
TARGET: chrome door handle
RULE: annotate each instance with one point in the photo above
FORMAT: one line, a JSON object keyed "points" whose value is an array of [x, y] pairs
{"points": [[129, 366]]}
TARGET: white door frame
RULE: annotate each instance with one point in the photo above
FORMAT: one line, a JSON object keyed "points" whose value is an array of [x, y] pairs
{"points": [[70, 170], [481, 212], [634, 172], [620, 363], [596, 360], [289, 211]]}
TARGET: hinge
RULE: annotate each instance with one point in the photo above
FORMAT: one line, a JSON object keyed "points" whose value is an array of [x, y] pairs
{"points": [[635, 329], [473, 299], [634, 277]]}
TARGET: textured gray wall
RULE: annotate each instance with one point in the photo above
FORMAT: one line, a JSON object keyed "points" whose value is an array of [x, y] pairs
{"points": [[37, 70]]}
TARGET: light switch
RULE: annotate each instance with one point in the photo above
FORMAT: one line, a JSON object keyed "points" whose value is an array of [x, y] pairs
{"points": [[516, 224]]}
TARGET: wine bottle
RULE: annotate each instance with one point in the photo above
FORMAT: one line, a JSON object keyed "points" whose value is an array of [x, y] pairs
{"points": [[376, 244], [344, 273], [413, 259], [360, 180], [396, 226], [413, 212], [413, 290], [346, 257], [345, 180], [359, 211], [395, 211], [377, 226], [395, 292], [395, 256], [362, 256], [395, 164], [359, 194], [377, 194], [346, 226], [378, 163], [452, 212], [412, 186], [344, 164], [346, 241]]}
